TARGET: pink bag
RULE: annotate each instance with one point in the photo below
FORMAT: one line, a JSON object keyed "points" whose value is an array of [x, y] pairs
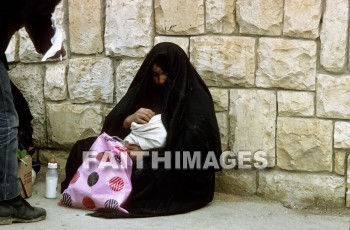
{"points": [[104, 178]]}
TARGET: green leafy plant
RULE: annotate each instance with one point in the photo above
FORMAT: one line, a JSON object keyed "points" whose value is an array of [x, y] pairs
{"points": [[21, 154]]}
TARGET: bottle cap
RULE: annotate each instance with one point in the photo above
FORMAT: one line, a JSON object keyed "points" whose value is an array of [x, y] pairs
{"points": [[52, 165]]}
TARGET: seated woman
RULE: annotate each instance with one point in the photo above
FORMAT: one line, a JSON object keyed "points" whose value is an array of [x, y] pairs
{"points": [[165, 84]]}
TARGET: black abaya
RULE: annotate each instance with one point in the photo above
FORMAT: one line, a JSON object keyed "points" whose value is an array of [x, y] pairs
{"points": [[189, 118]]}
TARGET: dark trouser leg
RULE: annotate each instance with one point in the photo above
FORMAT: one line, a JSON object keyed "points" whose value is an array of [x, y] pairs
{"points": [[9, 186]]}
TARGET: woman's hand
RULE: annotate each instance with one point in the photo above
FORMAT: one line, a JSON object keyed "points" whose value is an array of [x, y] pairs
{"points": [[141, 116]]}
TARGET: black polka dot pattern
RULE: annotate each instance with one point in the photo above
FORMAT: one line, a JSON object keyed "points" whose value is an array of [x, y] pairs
{"points": [[92, 179]]}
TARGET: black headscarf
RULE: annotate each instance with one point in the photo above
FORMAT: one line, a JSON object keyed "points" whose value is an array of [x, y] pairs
{"points": [[188, 115], [187, 108]]}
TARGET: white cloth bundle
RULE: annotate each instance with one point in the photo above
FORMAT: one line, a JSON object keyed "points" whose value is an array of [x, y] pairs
{"points": [[56, 41], [148, 136]]}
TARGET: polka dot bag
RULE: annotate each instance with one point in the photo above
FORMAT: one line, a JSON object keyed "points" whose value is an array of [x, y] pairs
{"points": [[104, 178]]}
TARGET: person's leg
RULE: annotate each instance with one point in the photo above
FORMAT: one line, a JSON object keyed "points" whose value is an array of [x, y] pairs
{"points": [[13, 208], [9, 186]]}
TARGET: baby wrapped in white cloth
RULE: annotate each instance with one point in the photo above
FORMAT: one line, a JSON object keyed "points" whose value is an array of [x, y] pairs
{"points": [[148, 136]]}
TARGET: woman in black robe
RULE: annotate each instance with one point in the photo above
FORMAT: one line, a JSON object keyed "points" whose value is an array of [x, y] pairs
{"points": [[188, 115]]}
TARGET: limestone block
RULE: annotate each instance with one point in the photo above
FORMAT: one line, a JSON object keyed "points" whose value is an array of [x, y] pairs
{"points": [[252, 116], [68, 123], [236, 182], [179, 17], [27, 52], [183, 42], [85, 26], [223, 60], [30, 81], [342, 135], [333, 96], [220, 98], [11, 51], [90, 80], [302, 190], [286, 63], [304, 144], [340, 161], [55, 83], [220, 17], [295, 103], [262, 17], [129, 28], [302, 18], [333, 36], [222, 119], [125, 73]]}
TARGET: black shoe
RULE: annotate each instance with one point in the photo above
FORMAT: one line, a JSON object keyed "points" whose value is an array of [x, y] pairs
{"points": [[19, 210]]}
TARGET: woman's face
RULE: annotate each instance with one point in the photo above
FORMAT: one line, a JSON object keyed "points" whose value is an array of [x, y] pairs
{"points": [[159, 76]]}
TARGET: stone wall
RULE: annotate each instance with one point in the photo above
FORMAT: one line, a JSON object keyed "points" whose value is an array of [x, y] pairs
{"points": [[278, 71]]}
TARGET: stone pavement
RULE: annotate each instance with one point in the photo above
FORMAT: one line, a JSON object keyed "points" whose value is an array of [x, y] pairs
{"points": [[225, 212]]}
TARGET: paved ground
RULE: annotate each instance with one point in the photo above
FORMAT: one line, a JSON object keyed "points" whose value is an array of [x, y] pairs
{"points": [[226, 212]]}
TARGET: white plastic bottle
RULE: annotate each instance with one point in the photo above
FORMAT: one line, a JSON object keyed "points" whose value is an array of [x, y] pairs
{"points": [[51, 179]]}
